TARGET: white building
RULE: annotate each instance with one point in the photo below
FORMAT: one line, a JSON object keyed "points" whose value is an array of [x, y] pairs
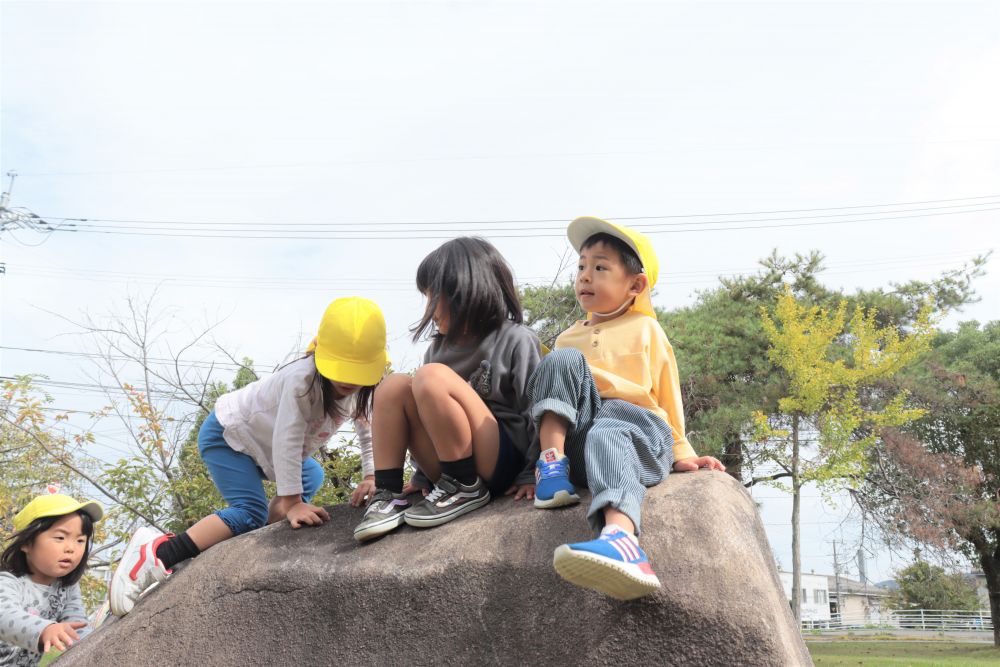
{"points": [[815, 596]]}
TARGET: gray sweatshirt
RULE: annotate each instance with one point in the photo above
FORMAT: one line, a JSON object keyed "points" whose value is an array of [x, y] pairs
{"points": [[27, 608], [498, 368]]}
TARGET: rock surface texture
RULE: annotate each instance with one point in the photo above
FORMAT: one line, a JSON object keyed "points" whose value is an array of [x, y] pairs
{"points": [[480, 590]]}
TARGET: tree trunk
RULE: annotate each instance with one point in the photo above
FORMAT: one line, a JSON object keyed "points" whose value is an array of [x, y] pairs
{"points": [[796, 552], [991, 568], [732, 456]]}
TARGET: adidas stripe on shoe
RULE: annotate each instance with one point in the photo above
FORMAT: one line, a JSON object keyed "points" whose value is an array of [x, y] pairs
{"points": [[613, 564]]}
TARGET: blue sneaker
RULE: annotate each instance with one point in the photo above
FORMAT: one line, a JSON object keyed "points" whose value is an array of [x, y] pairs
{"points": [[612, 564], [552, 485]]}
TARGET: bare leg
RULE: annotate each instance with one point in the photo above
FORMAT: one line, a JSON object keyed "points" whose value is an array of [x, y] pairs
{"points": [[613, 516], [396, 427], [457, 420], [208, 532], [552, 432]]}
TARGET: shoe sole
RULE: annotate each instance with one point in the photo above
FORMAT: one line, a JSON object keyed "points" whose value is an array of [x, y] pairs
{"points": [[121, 577], [559, 499], [602, 574], [438, 519], [373, 530]]}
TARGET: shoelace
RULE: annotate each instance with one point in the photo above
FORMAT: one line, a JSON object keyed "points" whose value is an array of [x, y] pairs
{"points": [[436, 494], [554, 469]]}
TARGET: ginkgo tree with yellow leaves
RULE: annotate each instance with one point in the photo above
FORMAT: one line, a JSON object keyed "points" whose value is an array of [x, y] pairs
{"points": [[836, 399]]}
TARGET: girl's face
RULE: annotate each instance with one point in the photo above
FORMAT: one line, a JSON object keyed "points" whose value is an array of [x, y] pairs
{"points": [[343, 390], [441, 317], [56, 552]]}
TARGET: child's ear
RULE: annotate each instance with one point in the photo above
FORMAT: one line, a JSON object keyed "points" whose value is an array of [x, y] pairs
{"points": [[639, 282]]}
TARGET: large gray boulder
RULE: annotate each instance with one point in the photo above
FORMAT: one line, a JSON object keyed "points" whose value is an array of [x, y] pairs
{"points": [[478, 591]]}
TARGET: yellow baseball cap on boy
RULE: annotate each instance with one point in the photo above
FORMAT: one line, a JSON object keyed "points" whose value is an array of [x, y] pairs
{"points": [[55, 504], [583, 228], [350, 346]]}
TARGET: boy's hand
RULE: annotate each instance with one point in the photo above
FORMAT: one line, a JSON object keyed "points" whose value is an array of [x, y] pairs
{"points": [[366, 488], [60, 635], [526, 491], [304, 514], [695, 462]]}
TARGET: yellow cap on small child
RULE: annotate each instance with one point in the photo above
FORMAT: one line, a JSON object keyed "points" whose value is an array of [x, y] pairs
{"points": [[350, 346], [55, 504], [583, 228]]}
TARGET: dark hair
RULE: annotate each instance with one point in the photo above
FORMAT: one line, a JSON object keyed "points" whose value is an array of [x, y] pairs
{"points": [[363, 406], [15, 561], [631, 261], [476, 283]]}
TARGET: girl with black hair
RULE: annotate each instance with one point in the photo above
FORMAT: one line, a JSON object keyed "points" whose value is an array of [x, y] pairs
{"points": [[270, 429], [463, 415], [41, 565]]}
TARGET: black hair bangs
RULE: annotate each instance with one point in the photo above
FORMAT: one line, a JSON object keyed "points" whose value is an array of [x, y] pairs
{"points": [[472, 278]]}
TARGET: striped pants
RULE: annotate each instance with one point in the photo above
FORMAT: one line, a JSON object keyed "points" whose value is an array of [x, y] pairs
{"points": [[615, 448]]}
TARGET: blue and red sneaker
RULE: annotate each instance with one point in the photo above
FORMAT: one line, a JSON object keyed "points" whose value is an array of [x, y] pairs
{"points": [[552, 485], [613, 564]]}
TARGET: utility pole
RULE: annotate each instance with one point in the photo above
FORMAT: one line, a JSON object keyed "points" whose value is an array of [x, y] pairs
{"points": [[19, 217], [836, 576], [16, 218]]}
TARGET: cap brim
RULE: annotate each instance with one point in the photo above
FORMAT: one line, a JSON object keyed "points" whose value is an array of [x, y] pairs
{"points": [[352, 372], [583, 228]]}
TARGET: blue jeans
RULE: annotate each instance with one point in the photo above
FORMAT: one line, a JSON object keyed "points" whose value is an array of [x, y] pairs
{"points": [[241, 481]]}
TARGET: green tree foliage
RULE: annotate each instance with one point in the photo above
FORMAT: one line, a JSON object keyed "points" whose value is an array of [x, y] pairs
{"points": [[32, 449], [938, 481], [550, 310], [822, 429], [926, 586]]}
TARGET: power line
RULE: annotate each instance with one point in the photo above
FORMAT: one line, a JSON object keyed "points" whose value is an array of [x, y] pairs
{"points": [[391, 236], [562, 221]]}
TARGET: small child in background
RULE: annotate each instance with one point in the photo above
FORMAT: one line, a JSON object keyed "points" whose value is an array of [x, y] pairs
{"points": [[41, 565], [607, 403], [464, 415], [270, 429]]}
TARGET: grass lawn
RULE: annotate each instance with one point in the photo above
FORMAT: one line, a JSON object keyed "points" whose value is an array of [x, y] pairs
{"points": [[903, 654]]}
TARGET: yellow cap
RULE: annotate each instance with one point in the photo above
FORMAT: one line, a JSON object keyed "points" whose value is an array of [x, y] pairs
{"points": [[350, 346], [54, 504], [583, 228]]}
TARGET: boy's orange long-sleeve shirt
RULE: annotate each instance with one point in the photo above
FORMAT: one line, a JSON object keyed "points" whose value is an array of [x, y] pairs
{"points": [[632, 360]]}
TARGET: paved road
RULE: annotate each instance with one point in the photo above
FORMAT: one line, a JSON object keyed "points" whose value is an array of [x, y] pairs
{"points": [[927, 635]]}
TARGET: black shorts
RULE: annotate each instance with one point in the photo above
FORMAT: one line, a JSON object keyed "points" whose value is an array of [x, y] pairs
{"points": [[510, 463]]}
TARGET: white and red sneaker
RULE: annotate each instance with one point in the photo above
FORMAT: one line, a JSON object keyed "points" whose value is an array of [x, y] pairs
{"points": [[138, 570]]}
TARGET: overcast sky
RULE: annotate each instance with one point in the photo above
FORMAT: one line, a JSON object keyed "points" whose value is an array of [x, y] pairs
{"points": [[179, 130]]}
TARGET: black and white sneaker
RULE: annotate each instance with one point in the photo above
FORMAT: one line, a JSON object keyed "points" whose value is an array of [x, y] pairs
{"points": [[449, 500], [384, 515]]}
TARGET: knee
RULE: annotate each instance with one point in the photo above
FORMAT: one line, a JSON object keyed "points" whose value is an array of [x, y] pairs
{"points": [[394, 389], [431, 379], [244, 517]]}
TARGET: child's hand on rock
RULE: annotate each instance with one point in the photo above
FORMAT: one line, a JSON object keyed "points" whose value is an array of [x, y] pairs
{"points": [[526, 491], [60, 635], [695, 462], [304, 514]]}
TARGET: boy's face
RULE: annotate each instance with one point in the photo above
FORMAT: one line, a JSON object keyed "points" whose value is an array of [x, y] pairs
{"points": [[602, 282]]}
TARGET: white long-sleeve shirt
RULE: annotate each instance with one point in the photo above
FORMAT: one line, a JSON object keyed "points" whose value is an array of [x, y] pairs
{"points": [[279, 421], [27, 608]]}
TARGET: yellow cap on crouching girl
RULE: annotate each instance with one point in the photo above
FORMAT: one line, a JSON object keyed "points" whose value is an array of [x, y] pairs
{"points": [[54, 504], [583, 228], [350, 346]]}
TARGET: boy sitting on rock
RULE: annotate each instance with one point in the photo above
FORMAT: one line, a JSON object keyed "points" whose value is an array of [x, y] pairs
{"points": [[607, 401]]}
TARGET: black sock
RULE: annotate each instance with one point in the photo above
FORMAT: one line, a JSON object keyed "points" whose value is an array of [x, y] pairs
{"points": [[464, 470], [391, 479], [177, 548]]}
